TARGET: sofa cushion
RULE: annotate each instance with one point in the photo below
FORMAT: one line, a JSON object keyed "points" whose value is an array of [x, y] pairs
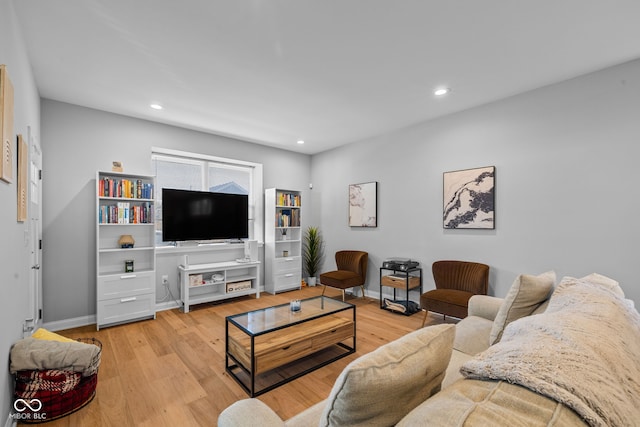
{"points": [[526, 294], [453, 373], [490, 403], [472, 335], [582, 351], [485, 306], [383, 386], [541, 308], [236, 415]]}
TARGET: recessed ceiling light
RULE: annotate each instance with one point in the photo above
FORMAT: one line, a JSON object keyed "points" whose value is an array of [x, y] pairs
{"points": [[441, 91], [156, 106], [300, 142]]}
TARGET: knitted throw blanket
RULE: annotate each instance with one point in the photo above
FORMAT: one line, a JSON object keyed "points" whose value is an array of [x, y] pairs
{"points": [[30, 354], [583, 351]]}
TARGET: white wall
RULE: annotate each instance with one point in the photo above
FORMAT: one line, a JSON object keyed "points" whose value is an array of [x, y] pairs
{"points": [[79, 141], [14, 250], [566, 159]]}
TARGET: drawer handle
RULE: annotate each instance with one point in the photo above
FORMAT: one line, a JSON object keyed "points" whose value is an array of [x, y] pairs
{"points": [[288, 275], [288, 259], [128, 276], [286, 348], [128, 299], [333, 331]]}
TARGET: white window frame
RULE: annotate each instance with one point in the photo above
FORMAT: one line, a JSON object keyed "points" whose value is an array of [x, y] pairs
{"points": [[256, 200]]}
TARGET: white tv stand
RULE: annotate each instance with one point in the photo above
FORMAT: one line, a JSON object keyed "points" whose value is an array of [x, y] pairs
{"points": [[231, 278]]}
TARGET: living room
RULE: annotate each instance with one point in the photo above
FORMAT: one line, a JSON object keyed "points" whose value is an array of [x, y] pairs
{"points": [[565, 157]]}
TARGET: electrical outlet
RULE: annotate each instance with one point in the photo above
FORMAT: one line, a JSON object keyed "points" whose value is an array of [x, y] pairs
{"points": [[165, 279]]}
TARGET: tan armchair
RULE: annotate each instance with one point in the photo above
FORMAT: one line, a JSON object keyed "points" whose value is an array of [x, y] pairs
{"points": [[456, 282], [351, 272]]}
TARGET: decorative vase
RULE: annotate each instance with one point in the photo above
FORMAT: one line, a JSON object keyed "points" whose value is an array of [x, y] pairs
{"points": [[311, 281]]}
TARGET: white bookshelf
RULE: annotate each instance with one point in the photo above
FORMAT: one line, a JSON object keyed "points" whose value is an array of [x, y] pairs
{"points": [[283, 253], [127, 209]]}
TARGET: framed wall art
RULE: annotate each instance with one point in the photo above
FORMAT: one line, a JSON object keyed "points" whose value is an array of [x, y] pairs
{"points": [[469, 198], [6, 125], [363, 205]]}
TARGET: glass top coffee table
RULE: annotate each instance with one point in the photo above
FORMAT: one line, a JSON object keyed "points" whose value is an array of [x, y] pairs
{"points": [[269, 347]]}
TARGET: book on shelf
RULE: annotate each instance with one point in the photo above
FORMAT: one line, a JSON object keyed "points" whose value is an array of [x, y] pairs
{"points": [[288, 199], [124, 213], [125, 188], [282, 218], [288, 218]]}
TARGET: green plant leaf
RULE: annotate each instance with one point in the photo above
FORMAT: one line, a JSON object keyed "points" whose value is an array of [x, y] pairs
{"points": [[313, 251]]}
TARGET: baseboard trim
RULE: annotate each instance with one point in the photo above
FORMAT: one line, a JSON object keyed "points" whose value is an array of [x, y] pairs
{"points": [[167, 305], [76, 322]]}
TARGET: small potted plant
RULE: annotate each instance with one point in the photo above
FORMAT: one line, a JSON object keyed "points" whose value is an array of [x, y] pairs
{"points": [[313, 253]]}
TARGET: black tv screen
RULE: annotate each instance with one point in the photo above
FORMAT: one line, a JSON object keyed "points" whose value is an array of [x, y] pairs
{"points": [[203, 215]]}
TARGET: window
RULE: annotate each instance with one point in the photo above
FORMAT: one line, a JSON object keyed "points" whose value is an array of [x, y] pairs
{"points": [[190, 171]]}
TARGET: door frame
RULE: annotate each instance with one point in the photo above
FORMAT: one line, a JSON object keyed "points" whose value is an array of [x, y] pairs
{"points": [[34, 195]]}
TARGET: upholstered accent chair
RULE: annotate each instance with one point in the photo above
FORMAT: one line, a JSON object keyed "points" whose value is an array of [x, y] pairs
{"points": [[351, 271], [456, 282]]}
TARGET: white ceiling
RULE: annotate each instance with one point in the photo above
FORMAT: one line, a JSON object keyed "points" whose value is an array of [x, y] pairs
{"points": [[330, 72]]}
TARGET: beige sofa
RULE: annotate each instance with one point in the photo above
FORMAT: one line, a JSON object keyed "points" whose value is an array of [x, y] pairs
{"points": [[569, 360]]}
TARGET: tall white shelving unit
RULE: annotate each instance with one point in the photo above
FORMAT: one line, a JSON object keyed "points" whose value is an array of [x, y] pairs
{"points": [[282, 240], [126, 289]]}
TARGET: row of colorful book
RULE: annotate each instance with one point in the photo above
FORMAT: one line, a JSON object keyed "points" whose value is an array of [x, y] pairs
{"points": [[288, 199], [125, 188], [123, 213]]}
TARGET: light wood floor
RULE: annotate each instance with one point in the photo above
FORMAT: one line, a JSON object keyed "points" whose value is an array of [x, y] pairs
{"points": [[170, 371]]}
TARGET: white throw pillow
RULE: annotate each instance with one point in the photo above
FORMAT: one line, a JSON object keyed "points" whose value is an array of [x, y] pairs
{"points": [[383, 386], [526, 294]]}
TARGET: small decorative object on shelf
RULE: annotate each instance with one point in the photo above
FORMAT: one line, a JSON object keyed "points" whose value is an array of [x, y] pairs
{"points": [[128, 266], [126, 241], [195, 280]]}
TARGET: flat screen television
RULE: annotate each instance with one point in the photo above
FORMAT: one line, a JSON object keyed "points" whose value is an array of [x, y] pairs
{"points": [[203, 215]]}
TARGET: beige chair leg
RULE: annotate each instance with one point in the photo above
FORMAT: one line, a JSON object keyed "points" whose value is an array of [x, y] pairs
{"points": [[342, 295], [362, 286], [425, 317]]}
